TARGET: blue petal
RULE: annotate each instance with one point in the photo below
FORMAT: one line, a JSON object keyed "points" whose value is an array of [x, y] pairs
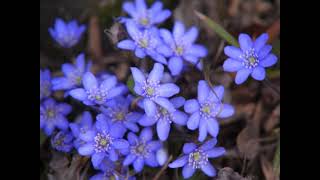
{"points": [[191, 106], [258, 73], [108, 83], [117, 130], [147, 121], [101, 123], [129, 8], [97, 177], [164, 50], [209, 144], [264, 51], [60, 26], [202, 130], [165, 103], [203, 91], [89, 81], [242, 76], [114, 92], [179, 162], [189, 147], [87, 136], [126, 44], [193, 121], [168, 90], [245, 42], [156, 73], [74, 129], [233, 52], [113, 155], [163, 129], [190, 58], [48, 129], [61, 122], [154, 145], [178, 101], [86, 149], [132, 138], [178, 30], [64, 108], [166, 36], [227, 111], [215, 152], [133, 116], [79, 94], [175, 65], [260, 42], [146, 134], [231, 65], [97, 158], [162, 156], [86, 119], [131, 126], [156, 6], [68, 69], [188, 171], [140, 53], [179, 118], [217, 94], [151, 160], [141, 5], [132, 29], [80, 62], [197, 51], [268, 61], [149, 107], [163, 15], [120, 144], [157, 57], [129, 159], [137, 75], [138, 164], [209, 170], [213, 127], [191, 35]]}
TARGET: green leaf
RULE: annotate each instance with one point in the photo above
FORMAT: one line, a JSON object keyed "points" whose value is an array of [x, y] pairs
{"points": [[130, 84], [218, 29]]}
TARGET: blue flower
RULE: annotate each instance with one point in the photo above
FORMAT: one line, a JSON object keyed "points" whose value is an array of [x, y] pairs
{"points": [[194, 158], [117, 112], [94, 92], [52, 115], [45, 83], [182, 47], [152, 91], [101, 76], [145, 42], [143, 16], [250, 59], [164, 118], [206, 109], [81, 127], [62, 141], [102, 141], [72, 74], [66, 34], [142, 150]]}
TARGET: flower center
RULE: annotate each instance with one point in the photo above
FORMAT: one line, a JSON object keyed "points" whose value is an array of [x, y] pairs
{"points": [[197, 158], [210, 109], [150, 89], [179, 50], [45, 88], [50, 113], [97, 95], [251, 59], [144, 21], [120, 116], [143, 42], [102, 142], [140, 149], [163, 114]]}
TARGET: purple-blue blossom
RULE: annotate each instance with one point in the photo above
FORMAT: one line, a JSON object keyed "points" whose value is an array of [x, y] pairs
{"points": [[142, 150], [165, 118], [102, 140], [45, 84], [105, 75], [117, 112], [62, 141], [182, 47], [152, 91], [144, 42], [52, 115], [144, 17], [205, 110], [66, 34], [250, 59], [195, 157], [72, 74], [94, 92]]}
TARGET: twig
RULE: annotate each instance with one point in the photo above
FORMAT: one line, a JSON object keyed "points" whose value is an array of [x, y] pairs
{"points": [[163, 168]]}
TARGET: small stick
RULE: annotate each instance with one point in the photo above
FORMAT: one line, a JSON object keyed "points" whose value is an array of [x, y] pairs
{"points": [[163, 168]]}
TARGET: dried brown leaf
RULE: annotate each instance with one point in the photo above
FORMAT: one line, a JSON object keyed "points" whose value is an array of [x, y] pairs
{"points": [[267, 169], [229, 174], [273, 120]]}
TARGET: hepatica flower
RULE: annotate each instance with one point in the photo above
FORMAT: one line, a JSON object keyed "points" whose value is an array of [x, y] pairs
{"points": [[95, 93], [45, 83], [117, 112], [52, 115], [206, 109], [194, 158], [81, 127], [101, 141], [62, 141], [144, 42], [66, 34], [182, 47], [142, 150], [143, 16], [164, 118], [151, 91], [72, 74], [250, 59]]}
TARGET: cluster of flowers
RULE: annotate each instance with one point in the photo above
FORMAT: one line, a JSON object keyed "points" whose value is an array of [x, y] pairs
{"points": [[120, 134]]}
